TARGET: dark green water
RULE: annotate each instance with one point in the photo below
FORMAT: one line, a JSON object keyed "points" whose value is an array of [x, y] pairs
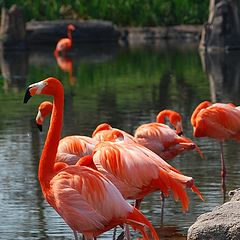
{"points": [[125, 87]]}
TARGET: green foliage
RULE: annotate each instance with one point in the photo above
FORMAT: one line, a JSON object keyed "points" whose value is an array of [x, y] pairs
{"points": [[121, 12]]}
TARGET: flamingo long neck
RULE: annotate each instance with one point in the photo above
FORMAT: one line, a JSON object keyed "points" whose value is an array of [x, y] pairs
{"points": [[161, 116], [70, 36], [46, 165], [201, 106]]}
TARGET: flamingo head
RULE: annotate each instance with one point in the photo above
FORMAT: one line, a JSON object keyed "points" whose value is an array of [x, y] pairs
{"points": [[44, 109], [176, 121], [101, 127], [49, 86], [114, 136], [70, 27]]}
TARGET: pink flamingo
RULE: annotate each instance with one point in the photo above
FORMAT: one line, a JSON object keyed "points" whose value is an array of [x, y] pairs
{"points": [[162, 139], [65, 44], [219, 121]]}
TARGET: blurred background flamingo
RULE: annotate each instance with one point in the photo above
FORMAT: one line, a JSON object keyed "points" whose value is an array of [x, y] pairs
{"points": [[64, 45]]}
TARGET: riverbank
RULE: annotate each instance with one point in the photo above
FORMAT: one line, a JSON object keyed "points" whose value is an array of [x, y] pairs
{"points": [[93, 31], [98, 31]]}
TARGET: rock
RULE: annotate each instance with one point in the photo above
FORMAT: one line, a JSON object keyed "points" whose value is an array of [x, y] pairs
{"points": [[49, 32], [223, 223], [152, 34]]}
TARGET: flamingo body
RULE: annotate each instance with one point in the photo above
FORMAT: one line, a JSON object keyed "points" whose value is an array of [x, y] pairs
{"points": [[72, 148], [162, 139], [137, 171], [219, 121]]}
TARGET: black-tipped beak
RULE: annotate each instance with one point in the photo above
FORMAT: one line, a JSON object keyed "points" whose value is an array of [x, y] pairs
{"points": [[180, 133], [27, 96], [39, 127]]}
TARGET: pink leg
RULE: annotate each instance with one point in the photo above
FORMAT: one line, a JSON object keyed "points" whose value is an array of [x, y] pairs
{"points": [[223, 171], [138, 203], [162, 209]]}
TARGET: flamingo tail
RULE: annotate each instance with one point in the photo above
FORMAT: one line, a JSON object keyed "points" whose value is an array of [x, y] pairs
{"points": [[177, 182], [138, 221]]}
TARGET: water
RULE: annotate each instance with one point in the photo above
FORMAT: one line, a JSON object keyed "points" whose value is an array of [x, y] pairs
{"points": [[125, 87]]}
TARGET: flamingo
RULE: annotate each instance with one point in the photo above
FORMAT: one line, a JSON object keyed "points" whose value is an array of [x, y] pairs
{"points": [[86, 200], [65, 44], [219, 121], [137, 171], [162, 139], [70, 148]]}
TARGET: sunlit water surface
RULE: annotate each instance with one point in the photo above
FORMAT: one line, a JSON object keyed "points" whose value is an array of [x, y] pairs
{"points": [[125, 87]]}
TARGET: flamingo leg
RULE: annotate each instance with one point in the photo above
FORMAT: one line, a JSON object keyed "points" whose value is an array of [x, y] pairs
{"points": [[223, 171], [114, 233], [138, 203], [75, 235], [162, 208], [127, 234], [83, 238]]}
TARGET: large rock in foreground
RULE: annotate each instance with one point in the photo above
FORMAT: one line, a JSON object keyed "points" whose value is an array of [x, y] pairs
{"points": [[223, 223]]}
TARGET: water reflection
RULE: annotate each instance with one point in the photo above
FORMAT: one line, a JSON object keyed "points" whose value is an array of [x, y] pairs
{"points": [[125, 87], [223, 71]]}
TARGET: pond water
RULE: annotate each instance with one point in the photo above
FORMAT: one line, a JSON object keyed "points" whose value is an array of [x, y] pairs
{"points": [[124, 86]]}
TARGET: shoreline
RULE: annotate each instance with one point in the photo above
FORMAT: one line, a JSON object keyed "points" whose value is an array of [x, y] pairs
{"points": [[99, 31]]}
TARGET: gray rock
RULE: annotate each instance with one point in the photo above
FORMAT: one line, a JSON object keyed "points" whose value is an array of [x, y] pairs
{"points": [[223, 223]]}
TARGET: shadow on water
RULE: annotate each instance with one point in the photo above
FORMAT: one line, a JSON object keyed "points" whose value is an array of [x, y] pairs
{"points": [[223, 71], [125, 86]]}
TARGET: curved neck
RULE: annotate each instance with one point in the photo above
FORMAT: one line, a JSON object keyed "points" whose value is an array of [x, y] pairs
{"points": [[201, 106], [174, 118], [46, 165], [70, 36], [161, 116]]}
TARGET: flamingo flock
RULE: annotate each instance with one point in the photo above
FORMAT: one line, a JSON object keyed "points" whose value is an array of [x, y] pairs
{"points": [[88, 180]]}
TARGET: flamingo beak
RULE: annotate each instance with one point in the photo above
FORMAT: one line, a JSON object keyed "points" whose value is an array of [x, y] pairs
{"points": [[39, 126], [180, 133], [27, 95]]}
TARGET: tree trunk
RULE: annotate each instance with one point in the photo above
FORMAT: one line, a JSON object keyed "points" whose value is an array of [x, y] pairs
{"points": [[13, 30], [222, 31]]}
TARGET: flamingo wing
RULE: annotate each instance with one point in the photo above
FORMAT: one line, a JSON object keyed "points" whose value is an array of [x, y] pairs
{"points": [[72, 148], [163, 140], [86, 200], [137, 171]]}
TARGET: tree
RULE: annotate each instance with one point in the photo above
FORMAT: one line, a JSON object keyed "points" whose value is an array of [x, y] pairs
{"points": [[222, 31]]}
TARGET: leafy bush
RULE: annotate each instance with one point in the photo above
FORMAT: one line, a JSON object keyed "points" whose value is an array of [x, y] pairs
{"points": [[121, 12]]}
